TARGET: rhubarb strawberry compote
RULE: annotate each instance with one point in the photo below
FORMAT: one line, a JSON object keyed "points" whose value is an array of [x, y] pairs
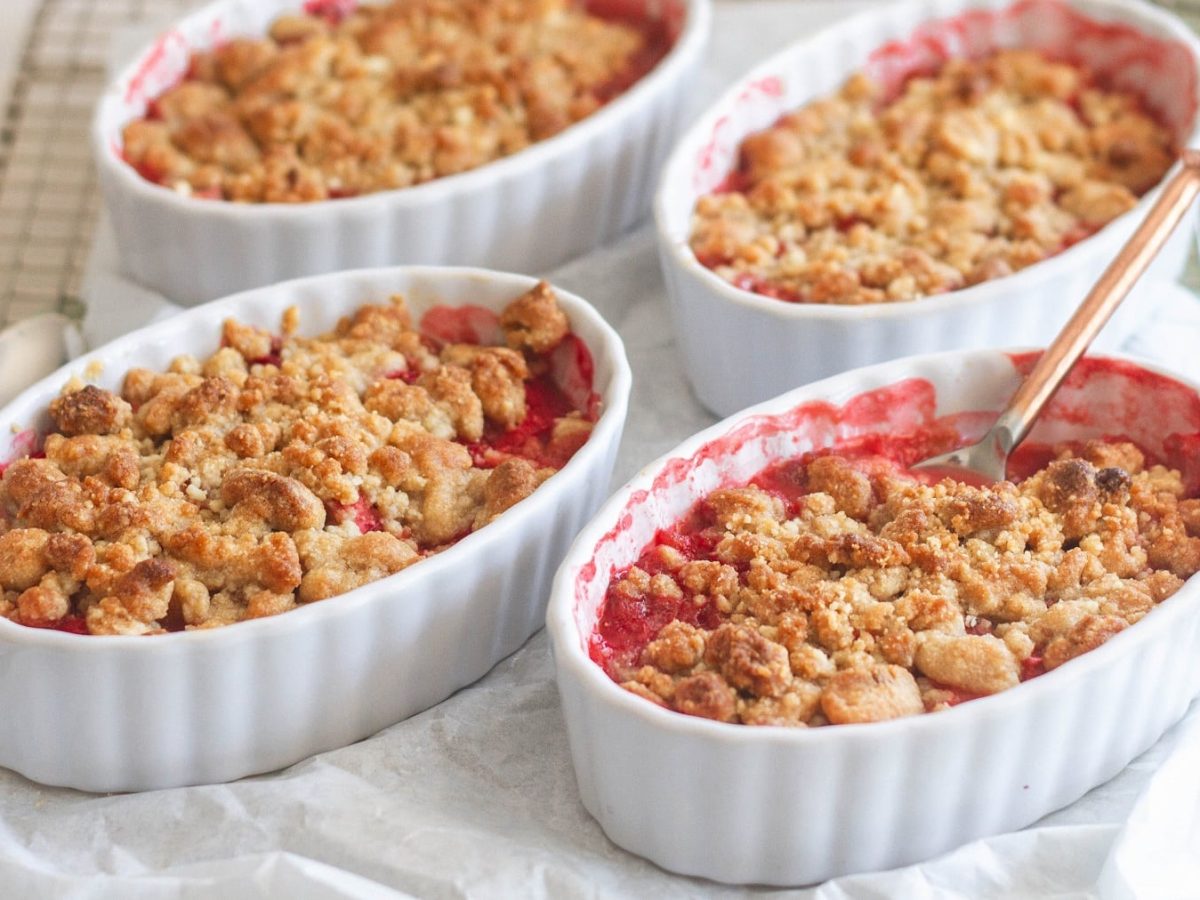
{"points": [[342, 99], [842, 588], [283, 470], [968, 173]]}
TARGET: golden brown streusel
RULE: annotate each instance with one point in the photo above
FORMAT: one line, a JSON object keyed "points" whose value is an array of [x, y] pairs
{"points": [[877, 596], [981, 169], [279, 471], [389, 96]]}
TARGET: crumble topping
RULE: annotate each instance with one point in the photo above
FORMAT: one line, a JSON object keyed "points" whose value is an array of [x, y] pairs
{"points": [[862, 594], [333, 104], [281, 470], [972, 173]]}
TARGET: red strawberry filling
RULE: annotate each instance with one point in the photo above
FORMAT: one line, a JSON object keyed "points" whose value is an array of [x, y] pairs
{"points": [[361, 512]]}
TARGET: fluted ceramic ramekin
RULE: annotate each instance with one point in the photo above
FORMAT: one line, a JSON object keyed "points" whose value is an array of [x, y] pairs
{"points": [[133, 713], [527, 212], [768, 804], [772, 345]]}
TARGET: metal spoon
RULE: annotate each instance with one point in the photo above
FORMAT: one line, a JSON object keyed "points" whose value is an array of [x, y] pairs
{"points": [[987, 459]]}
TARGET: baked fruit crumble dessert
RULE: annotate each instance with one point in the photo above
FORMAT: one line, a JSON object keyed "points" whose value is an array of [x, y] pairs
{"points": [[840, 588], [971, 173], [283, 470], [341, 100]]}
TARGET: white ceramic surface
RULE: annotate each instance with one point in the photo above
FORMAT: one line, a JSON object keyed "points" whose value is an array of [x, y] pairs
{"points": [[740, 348], [526, 212], [793, 806], [134, 713], [33, 348]]}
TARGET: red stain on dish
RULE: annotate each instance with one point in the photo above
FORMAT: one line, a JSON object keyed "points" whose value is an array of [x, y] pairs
{"points": [[766, 287], [1111, 399], [153, 66], [1032, 667], [150, 173], [1102, 398], [544, 402], [1160, 71], [956, 695]]}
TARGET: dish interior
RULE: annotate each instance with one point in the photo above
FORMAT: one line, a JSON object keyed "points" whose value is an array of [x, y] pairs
{"points": [[460, 307], [1160, 70], [166, 62]]}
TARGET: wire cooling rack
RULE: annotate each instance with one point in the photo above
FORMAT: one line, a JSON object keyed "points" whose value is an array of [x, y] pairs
{"points": [[49, 201]]}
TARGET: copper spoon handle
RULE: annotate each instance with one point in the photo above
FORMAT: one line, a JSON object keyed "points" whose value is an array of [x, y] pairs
{"points": [[1096, 309]]}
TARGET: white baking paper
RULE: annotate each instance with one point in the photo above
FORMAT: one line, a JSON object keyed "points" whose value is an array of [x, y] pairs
{"points": [[476, 797]]}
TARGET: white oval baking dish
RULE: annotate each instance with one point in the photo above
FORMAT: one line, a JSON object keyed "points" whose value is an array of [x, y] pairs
{"points": [[135, 713], [773, 345], [526, 212], [767, 804]]}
